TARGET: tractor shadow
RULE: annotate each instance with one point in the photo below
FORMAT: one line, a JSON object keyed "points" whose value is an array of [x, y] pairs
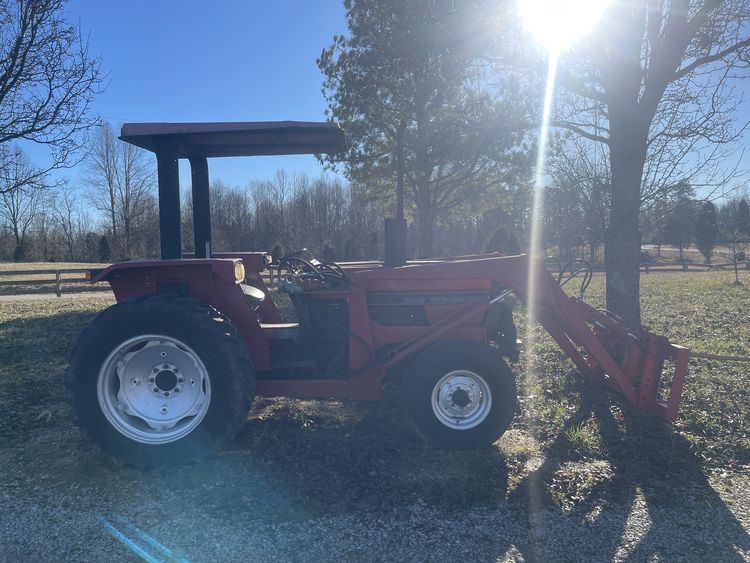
{"points": [[650, 466], [353, 457]]}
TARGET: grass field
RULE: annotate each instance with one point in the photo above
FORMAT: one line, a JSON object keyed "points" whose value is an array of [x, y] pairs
{"points": [[300, 459]]}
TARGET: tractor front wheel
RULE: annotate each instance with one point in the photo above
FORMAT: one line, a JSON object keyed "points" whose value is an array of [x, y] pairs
{"points": [[160, 379], [459, 395]]}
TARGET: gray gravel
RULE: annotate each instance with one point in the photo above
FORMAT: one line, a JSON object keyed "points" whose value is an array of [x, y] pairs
{"points": [[54, 533], [58, 515]]}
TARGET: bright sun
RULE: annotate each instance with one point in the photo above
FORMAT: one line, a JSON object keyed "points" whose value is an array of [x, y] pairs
{"points": [[558, 23]]}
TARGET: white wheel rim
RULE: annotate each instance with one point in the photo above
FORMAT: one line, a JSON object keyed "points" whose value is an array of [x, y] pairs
{"points": [[461, 400], [153, 389]]}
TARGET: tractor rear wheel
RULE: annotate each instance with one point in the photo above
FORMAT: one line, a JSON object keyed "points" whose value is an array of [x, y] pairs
{"points": [[159, 379], [459, 395]]}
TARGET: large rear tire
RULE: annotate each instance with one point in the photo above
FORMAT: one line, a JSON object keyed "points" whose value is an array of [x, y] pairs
{"points": [[160, 379], [459, 395]]}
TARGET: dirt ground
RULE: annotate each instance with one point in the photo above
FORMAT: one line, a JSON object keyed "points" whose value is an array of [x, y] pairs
{"points": [[321, 480]]}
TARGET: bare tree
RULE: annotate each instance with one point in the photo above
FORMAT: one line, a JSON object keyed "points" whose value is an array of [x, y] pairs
{"points": [[101, 171], [43, 227], [654, 85], [47, 80], [21, 190], [67, 215], [121, 176]]}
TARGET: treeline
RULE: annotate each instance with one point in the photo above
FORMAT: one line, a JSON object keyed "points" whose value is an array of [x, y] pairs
{"points": [[335, 220], [704, 224], [332, 218], [60, 225], [576, 219]]}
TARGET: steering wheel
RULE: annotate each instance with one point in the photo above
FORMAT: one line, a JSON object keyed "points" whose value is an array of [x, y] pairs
{"points": [[302, 266], [331, 269]]}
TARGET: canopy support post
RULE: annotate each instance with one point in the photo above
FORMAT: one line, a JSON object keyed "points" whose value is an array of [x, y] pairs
{"points": [[201, 207], [169, 202]]}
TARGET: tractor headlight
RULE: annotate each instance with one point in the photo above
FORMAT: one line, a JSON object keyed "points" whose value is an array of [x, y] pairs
{"points": [[239, 271]]}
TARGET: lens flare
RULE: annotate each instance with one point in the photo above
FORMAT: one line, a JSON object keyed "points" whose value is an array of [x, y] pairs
{"points": [[537, 220], [555, 24]]}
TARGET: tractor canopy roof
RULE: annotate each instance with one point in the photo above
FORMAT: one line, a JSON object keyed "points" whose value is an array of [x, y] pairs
{"points": [[236, 138]]}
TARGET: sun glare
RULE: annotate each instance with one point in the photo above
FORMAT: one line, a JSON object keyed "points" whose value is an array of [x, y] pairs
{"points": [[558, 23]]}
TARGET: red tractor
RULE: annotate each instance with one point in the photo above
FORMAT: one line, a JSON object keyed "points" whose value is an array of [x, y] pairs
{"points": [[171, 370]]}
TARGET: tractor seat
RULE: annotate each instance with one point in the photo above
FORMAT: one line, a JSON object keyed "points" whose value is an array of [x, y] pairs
{"points": [[253, 295]]}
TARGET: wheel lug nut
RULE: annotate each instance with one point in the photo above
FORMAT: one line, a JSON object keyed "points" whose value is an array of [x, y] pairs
{"points": [[164, 409], [151, 379], [156, 389]]}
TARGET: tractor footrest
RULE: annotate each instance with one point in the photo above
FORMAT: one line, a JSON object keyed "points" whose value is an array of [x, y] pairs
{"points": [[280, 331]]}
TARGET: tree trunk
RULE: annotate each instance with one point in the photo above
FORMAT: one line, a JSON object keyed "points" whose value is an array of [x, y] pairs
{"points": [[592, 253], [426, 229], [623, 236]]}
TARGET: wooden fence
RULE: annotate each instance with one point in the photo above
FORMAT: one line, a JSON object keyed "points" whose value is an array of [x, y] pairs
{"points": [[54, 277], [554, 266], [58, 277]]}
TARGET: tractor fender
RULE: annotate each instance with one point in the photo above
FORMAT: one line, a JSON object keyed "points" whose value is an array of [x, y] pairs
{"points": [[223, 268], [214, 281]]}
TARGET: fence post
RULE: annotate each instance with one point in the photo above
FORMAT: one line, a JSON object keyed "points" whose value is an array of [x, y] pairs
{"points": [[58, 283], [646, 267], [684, 267]]}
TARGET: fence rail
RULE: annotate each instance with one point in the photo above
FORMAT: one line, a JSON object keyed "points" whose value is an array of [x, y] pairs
{"points": [[554, 266], [58, 277], [55, 277]]}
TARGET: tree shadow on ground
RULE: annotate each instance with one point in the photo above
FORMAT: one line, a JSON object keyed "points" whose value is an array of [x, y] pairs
{"points": [[649, 465]]}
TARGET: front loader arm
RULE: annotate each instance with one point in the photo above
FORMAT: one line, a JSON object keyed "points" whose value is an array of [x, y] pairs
{"points": [[591, 338]]}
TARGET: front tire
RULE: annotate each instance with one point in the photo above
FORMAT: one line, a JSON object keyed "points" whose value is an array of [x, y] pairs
{"points": [[459, 395], [160, 379]]}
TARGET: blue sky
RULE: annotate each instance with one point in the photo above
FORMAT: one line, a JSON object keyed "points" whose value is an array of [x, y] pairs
{"points": [[218, 60], [221, 60]]}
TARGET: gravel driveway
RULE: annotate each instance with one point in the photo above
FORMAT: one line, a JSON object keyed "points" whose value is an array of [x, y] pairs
{"points": [[57, 507]]}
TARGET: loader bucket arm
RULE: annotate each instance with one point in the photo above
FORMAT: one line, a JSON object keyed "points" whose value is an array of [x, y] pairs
{"points": [[591, 338]]}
